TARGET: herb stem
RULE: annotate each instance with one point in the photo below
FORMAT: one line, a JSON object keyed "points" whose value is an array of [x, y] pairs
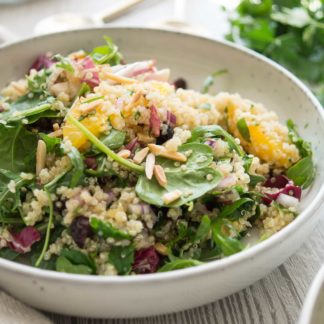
{"points": [[48, 230], [32, 111], [103, 148]]}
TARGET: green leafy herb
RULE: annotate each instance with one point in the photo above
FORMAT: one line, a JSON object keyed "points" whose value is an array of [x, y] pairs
{"points": [[84, 89], [114, 140], [122, 257], [63, 63], [52, 143], [37, 84], [201, 133], [229, 245], [302, 172], [243, 129], [78, 167], [106, 230], [103, 148], [203, 229], [17, 148], [78, 258], [211, 79], [180, 264], [64, 265], [106, 54], [237, 209]]}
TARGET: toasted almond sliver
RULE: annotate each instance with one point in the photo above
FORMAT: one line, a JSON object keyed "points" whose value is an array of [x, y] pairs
{"points": [[161, 248], [141, 155], [160, 175], [57, 133], [172, 196], [119, 79], [149, 166], [162, 151], [86, 108], [124, 154], [40, 156]]}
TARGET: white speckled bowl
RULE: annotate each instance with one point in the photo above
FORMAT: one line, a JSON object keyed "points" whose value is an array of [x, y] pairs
{"points": [[193, 58], [313, 308]]}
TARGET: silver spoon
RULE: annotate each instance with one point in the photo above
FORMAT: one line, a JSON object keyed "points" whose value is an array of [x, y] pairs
{"points": [[66, 21]]}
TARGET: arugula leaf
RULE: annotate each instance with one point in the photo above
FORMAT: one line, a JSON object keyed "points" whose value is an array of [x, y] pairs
{"points": [[64, 265], [105, 230], [243, 129], [201, 133], [106, 54], [78, 258], [122, 257], [203, 229], [78, 167], [229, 245], [234, 210], [52, 143], [211, 79], [302, 172], [114, 140], [180, 264]]}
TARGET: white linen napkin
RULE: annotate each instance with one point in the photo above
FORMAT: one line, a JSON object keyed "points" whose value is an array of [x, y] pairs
{"points": [[13, 311]]}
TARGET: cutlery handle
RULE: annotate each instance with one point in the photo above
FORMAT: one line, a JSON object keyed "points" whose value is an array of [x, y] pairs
{"points": [[117, 11]]}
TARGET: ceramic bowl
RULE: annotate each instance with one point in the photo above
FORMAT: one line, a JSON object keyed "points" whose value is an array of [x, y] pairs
{"points": [[313, 308], [193, 58]]}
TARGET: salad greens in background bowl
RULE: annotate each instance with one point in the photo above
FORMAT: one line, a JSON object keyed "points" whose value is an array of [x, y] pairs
{"points": [[184, 210]]}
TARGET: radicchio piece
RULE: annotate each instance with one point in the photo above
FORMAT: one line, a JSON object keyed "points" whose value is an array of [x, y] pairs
{"points": [[80, 230], [171, 119], [43, 61], [279, 181], [155, 122], [146, 261], [91, 162], [22, 241], [284, 185], [91, 77]]}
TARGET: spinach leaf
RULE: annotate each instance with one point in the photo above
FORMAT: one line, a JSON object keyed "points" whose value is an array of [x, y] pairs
{"points": [[64, 265], [105, 230], [114, 140], [234, 210], [302, 172], [243, 129], [179, 264], [17, 148], [106, 54], [78, 258], [211, 79], [203, 229], [122, 257], [229, 245], [192, 183], [199, 156], [201, 133]]}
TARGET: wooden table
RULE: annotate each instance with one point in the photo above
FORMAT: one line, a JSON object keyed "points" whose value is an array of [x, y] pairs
{"points": [[278, 298]]}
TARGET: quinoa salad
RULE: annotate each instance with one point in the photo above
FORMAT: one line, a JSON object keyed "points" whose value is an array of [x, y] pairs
{"points": [[114, 168]]}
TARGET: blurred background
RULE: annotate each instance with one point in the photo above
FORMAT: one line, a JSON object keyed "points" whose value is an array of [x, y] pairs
{"points": [[290, 32]]}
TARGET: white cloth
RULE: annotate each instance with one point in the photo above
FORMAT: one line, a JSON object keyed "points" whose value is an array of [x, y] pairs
{"points": [[13, 311]]}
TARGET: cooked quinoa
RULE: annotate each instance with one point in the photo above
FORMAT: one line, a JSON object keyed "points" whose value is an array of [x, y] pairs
{"points": [[116, 171]]}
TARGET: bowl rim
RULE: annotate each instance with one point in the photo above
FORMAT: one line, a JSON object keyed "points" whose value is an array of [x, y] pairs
{"points": [[216, 265], [306, 316]]}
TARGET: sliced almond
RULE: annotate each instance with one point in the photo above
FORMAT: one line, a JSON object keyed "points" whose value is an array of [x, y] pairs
{"points": [[160, 175], [172, 196], [149, 166], [161, 248], [140, 156], [162, 151], [57, 133], [124, 154], [86, 108], [40, 156], [119, 79]]}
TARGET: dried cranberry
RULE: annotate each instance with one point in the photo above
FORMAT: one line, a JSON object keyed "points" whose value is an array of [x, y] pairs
{"points": [[180, 83], [166, 133], [91, 162], [80, 230], [279, 181], [146, 261]]}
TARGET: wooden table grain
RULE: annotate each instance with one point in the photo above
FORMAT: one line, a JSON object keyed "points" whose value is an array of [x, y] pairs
{"points": [[277, 298]]}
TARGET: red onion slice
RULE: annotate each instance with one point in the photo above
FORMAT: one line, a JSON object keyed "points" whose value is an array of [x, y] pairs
{"points": [[22, 241], [155, 122], [43, 61], [91, 77]]}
